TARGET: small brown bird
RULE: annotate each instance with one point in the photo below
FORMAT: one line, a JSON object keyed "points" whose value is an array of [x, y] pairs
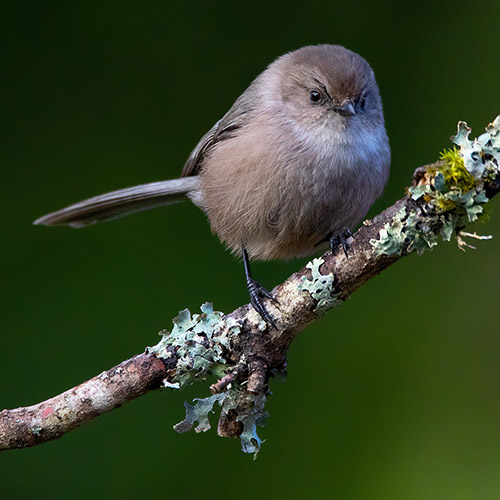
{"points": [[296, 162]]}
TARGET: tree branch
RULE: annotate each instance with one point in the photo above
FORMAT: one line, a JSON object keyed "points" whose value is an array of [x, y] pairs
{"points": [[51, 419], [239, 349]]}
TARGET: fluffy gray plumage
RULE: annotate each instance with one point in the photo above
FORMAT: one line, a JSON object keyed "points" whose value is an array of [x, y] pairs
{"points": [[301, 154]]}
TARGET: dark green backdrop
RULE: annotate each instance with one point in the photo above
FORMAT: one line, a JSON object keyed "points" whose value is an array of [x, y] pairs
{"points": [[395, 395]]}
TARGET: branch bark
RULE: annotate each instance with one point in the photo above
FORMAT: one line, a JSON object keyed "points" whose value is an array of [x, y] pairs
{"points": [[252, 352], [33, 425]]}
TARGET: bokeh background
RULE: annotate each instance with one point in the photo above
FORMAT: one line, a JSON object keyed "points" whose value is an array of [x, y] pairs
{"points": [[394, 395]]}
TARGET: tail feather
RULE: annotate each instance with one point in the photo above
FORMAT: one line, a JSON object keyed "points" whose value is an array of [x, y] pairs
{"points": [[122, 202]]}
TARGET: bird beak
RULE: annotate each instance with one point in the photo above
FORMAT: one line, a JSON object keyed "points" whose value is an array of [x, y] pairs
{"points": [[346, 109]]}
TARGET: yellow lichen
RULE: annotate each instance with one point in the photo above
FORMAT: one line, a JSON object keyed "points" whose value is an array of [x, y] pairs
{"points": [[443, 203], [454, 171]]}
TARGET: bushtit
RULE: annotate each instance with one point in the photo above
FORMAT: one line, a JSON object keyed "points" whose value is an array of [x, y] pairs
{"points": [[296, 162]]}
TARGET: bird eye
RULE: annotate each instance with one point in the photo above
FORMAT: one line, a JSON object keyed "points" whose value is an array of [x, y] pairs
{"points": [[362, 103], [314, 95]]}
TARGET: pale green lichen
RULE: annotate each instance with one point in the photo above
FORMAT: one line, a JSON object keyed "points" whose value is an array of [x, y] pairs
{"points": [[482, 155], [391, 238], [253, 417], [405, 233], [320, 286], [249, 407], [451, 195], [200, 342], [199, 413]]}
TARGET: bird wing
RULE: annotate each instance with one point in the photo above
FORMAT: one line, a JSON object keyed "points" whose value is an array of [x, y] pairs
{"points": [[233, 120]]}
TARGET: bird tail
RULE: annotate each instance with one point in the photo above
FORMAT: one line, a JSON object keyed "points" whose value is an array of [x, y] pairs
{"points": [[122, 202]]}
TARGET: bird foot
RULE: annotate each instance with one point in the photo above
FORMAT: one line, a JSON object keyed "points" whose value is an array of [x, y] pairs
{"points": [[339, 239], [257, 293]]}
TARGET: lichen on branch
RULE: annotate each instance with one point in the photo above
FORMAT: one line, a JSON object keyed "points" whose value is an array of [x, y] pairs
{"points": [[449, 194], [238, 350]]}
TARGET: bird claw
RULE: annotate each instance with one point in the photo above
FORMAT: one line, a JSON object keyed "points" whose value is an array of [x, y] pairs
{"points": [[257, 293], [339, 239]]}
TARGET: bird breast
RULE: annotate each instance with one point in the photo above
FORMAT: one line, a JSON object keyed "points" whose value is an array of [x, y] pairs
{"points": [[279, 194]]}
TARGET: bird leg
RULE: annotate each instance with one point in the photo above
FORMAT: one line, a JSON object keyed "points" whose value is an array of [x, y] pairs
{"points": [[257, 293]]}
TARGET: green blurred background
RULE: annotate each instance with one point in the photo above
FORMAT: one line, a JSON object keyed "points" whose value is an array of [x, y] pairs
{"points": [[394, 395]]}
